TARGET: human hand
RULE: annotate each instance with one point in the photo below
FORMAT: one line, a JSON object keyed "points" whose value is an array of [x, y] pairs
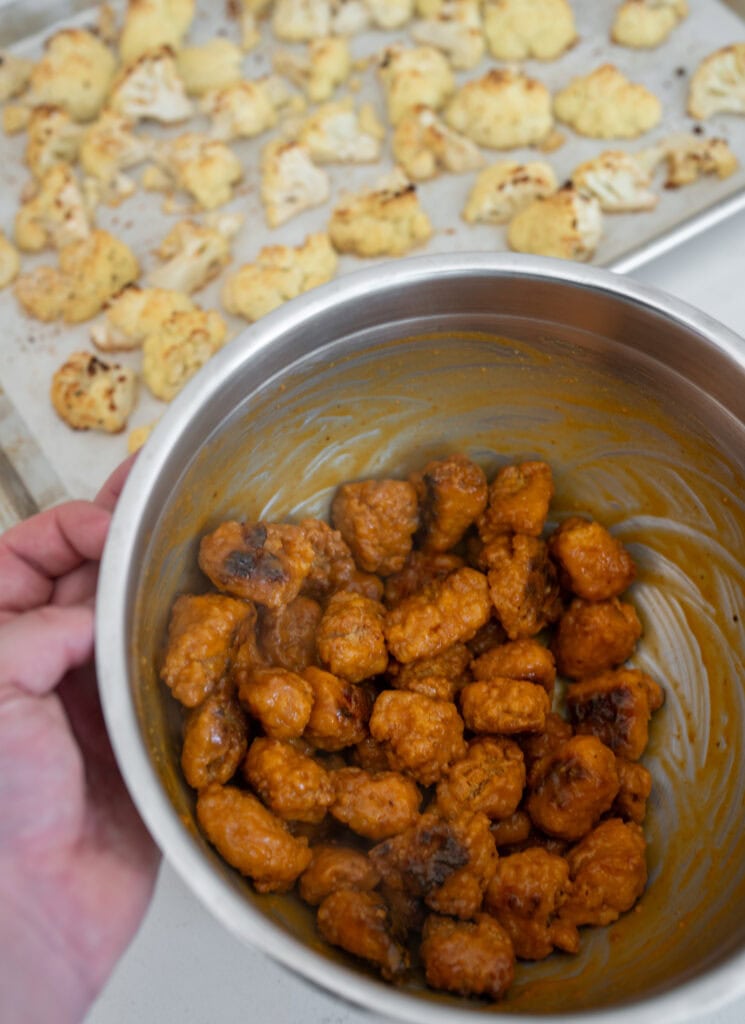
{"points": [[77, 866]]}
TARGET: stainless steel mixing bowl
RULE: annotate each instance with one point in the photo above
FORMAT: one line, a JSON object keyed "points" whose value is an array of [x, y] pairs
{"points": [[638, 403]]}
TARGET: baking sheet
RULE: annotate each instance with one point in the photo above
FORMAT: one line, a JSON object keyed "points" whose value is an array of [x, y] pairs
{"points": [[31, 351]]}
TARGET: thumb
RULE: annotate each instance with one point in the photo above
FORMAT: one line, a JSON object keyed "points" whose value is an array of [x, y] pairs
{"points": [[39, 647]]}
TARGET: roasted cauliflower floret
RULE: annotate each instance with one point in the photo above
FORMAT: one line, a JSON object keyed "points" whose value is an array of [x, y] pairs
{"points": [[349, 17], [423, 145], [135, 313], [89, 394], [718, 84], [414, 76], [15, 118], [299, 21], [150, 89], [53, 138], [503, 109], [385, 220], [75, 74], [174, 351], [205, 168], [644, 24], [193, 254], [567, 224], [521, 29], [390, 14], [456, 30], [503, 189], [290, 181], [108, 148], [212, 65], [15, 74], [150, 24], [618, 181], [241, 110], [604, 104], [280, 273], [326, 63], [337, 133], [687, 157], [55, 215], [10, 262]]}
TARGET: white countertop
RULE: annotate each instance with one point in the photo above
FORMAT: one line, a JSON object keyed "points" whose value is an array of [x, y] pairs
{"points": [[183, 967]]}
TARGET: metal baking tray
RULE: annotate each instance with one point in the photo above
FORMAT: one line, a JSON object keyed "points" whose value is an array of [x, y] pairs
{"points": [[32, 351]]}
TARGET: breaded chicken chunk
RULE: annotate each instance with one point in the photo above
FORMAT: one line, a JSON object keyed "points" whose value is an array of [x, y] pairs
{"points": [[519, 497], [287, 635], [504, 706], [567, 225], [718, 84], [280, 700], [604, 104], [452, 494], [290, 181], [74, 73], [504, 109], [350, 638], [385, 220], [334, 868], [469, 958], [518, 659], [616, 707], [333, 566], [377, 519], [149, 24], [523, 584], [340, 712], [251, 838], [89, 394], [173, 352], [440, 676], [54, 214], [644, 24], [215, 740], [635, 786], [570, 789], [280, 273], [375, 805], [423, 145], [593, 636], [290, 783], [523, 29], [619, 182], [490, 779], [592, 563], [420, 568], [443, 613], [360, 923], [525, 895], [421, 736], [134, 314], [609, 873], [503, 189], [201, 640], [456, 29], [413, 77], [324, 66]]}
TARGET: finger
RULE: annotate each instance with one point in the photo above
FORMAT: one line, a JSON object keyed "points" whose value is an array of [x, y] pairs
{"points": [[77, 587], [108, 496], [38, 648], [45, 547]]}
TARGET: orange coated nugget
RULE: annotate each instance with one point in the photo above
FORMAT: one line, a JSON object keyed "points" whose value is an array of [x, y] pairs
{"points": [[593, 564], [360, 923], [518, 659], [279, 699], [293, 785], [377, 519], [350, 638], [519, 497], [537, 745], [340, 711], [570, 789], [525, 896], [334, 868], [333, 566], [421, 736], [609, 873], [616, 707], [201, 639], [513, 830], [445, 612], [251, 838], [470, 958], [421, 568], [441, 676], [374, 805], [452, 494], [287, 634], [215, 740], [523, 584], [504, 706], [635, 785], [489, 779], [264, 562], [593, 636], [448, 863]]}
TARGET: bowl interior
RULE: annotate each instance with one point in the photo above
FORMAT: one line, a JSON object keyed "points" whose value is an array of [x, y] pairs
{"points": [[500, 370]]}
